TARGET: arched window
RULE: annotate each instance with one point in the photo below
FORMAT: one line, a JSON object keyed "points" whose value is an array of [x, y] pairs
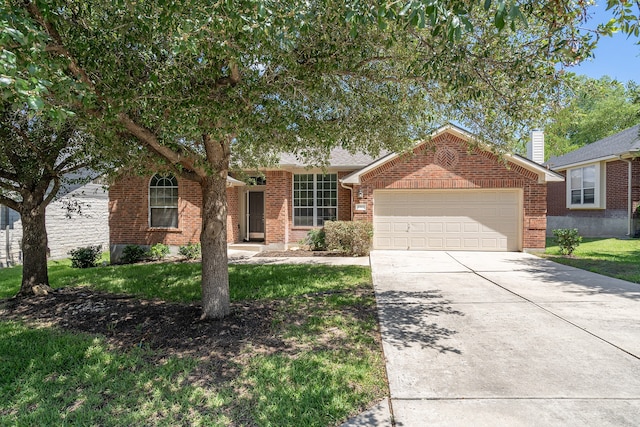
{"points": [[163, 201]]}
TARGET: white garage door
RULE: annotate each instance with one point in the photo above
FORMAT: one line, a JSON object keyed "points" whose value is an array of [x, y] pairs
{"points": [[468, 220]]}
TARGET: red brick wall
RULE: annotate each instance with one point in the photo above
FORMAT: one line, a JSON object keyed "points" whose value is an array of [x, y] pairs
{"points": [[616, 193], [557, 197], [617, 184], [344, 199], [467, 168], [233, 215], [279, 208], [129, 214]]}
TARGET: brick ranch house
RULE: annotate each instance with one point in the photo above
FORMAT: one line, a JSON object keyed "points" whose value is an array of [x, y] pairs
{"points": [[602, 192], [446, 194]]}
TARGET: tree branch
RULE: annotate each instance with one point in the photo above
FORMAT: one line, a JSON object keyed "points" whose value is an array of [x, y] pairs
{"points": [[53, 193], [4, 200], [43, 158], [151, 141], [233, 78], [70, 169], [8, 176], [9, 187], [59, 48]]}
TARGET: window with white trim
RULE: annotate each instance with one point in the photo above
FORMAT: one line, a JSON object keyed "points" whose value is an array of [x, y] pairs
{"points": [[163, 201], [583, 187], [315, 199]]}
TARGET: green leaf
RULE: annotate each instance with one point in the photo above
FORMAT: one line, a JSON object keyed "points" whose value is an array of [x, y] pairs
{"points": [[406, 8], [349, 16], [499, 17], [35, 102]]}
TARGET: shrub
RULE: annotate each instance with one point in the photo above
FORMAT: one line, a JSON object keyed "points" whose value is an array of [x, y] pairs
{"points": [[85, 257], [132, 254], [315, 240], [190, 251], [350, 237], [159, 251], [568, 239]]}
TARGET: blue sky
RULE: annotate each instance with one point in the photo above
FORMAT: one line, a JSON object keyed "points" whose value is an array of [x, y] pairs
{"points": [[617, 57]]}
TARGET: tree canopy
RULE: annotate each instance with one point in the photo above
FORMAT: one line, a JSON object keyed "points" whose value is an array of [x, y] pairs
{"points": [[195, 81], [592, 109], [38, 155]]}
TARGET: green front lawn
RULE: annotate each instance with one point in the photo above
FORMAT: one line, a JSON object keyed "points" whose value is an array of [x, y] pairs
{"points": [[610, 257], [180, 282], [329, 368]]}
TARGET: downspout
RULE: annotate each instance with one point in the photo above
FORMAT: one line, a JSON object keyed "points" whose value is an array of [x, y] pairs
{"points": [[246, 215], [350, 198], [629, 197]]}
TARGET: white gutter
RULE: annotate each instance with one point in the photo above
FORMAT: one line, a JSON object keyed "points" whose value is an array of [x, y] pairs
{"points": [[544, 174], [586, 162], [629, 197], [350, 198], [232, 182]]}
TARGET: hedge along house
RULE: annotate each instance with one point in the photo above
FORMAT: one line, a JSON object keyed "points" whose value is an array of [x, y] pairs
{"points": [[602, 189], [448, 193]]}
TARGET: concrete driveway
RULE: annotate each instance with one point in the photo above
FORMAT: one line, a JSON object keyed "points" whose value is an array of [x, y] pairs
{"points": [[506, 339]]}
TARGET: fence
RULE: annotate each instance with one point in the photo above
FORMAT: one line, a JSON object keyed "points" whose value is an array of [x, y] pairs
{"points": [[10, 247]]}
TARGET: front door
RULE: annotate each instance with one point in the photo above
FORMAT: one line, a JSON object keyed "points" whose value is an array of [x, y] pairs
{"points": [[256, 215]]}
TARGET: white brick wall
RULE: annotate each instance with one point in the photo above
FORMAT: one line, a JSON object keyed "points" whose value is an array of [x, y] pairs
{"points": [[68, 230]]}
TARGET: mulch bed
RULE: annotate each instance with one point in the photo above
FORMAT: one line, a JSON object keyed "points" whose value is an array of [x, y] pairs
{"points": [[127, 321], [172, 329]]}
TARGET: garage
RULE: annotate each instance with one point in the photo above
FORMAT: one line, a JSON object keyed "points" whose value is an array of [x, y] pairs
{"points": [[467, 220]]}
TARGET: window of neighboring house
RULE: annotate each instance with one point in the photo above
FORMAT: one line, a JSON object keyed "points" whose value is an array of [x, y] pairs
{"points": [[163, 201], [8, 217], [583, 187], [315, 199]]}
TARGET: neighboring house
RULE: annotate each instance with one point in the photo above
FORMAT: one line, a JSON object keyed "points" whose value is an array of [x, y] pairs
{"points": [[447, 194], [78, 217], [602, 189], [10, 237]]}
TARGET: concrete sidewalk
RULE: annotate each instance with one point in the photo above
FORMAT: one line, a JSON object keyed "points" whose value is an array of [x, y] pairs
{"points": [[249, 257], [506, 339]]}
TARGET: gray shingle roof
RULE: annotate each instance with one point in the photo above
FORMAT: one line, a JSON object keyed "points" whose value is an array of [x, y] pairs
{"points": [[614, 145], [339, 157]]}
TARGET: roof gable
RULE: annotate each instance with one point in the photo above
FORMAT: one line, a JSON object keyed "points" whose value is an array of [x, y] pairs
{"points": [[620, 144], [544, 175]]}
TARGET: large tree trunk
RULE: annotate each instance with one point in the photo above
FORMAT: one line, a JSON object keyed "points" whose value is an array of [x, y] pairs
{"points": [[35, 278], [213, 238]]}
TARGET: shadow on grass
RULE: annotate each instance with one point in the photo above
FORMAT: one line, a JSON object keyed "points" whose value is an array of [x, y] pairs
{"points": [[244, 370], [581, 281], [51, 378], [619, 268], [404, 324]]}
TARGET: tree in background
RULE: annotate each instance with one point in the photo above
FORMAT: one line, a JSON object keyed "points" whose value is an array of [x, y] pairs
{"points": [[37, 156], [591, 109], [195, 81]]}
